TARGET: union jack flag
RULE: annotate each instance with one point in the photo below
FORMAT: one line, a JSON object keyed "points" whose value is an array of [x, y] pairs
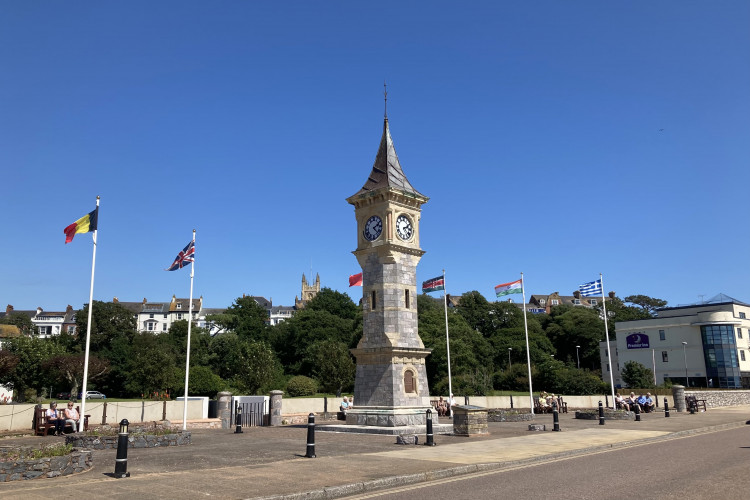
{"points": [[183, 258]]}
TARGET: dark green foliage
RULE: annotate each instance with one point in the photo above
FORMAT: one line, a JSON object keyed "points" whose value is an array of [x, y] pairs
{"points": [[21, 321], [337, 303], [202, 382], [301, 386], [648, 304], [244, 318], [635, 374], [569, 326], [332, 365]]}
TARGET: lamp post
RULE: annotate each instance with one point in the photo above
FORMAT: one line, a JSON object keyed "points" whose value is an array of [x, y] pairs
{"points": [[510, 365], [578, 358], [684, 355]]}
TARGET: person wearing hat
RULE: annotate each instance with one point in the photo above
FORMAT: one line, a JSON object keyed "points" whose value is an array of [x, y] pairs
{"points": [[54, 417]]}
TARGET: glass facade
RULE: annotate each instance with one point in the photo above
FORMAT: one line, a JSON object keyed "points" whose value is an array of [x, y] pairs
{"points": [[720, 351]]}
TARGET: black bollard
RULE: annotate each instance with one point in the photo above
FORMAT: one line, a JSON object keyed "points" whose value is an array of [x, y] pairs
{"points": [[666, 408], [237, 418], [430, 440], [637, 413], [121, 462], [310, 436], [601, 413], [555, 417], [692, 408]]}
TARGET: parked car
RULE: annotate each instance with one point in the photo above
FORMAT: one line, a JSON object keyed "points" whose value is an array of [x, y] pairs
{"points": [[63, 395], [93, 395]]}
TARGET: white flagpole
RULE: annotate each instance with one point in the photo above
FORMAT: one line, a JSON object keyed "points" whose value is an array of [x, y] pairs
{"points": [[609, 351], [88, 325], [447, 346], [528, 354], [190, 322]]}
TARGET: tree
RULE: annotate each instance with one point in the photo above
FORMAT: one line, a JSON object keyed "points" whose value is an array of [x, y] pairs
{"points": [[635, 374], [109, 320], [152, 367], [337, 303], [332, 364], [69, 367], [29, 372], [245, 317], [569, 326], [21, 321], [648, 304], [257, 366]]}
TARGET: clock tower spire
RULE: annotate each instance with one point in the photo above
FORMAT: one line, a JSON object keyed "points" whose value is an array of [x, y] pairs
{"points": [[391, 381]]}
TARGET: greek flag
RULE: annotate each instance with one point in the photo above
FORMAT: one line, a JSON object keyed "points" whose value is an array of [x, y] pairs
{"points": [[590, 289]]}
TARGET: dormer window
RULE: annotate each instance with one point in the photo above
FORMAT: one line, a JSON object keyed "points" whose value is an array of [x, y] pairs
{"points": [[555, 302], [593, 302], [179, 306], [542, 301], [577, 302]]}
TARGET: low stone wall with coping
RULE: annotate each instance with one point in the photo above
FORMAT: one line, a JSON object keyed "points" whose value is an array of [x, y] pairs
{"points": [[82, 440], [609, 414], [497, 415], [77, 461]]}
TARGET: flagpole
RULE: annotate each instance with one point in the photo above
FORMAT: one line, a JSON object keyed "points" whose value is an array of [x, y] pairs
{"points": [[528, 354], [88, 323], [609, 353], [187, 358], [447, 346]]}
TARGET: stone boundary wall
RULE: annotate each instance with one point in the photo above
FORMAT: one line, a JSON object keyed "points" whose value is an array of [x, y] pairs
{"points": [[509, 416], [20, 470], [716, 399], [134, 441], [20, 417], [608, 415]]}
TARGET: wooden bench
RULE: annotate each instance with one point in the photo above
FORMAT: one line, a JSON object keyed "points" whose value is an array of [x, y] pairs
{"points": [[562, 406], [694, 403], [43, 426], [538, 408]]}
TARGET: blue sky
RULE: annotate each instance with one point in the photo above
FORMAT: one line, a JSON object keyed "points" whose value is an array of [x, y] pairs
{"points": [[558, 139]]}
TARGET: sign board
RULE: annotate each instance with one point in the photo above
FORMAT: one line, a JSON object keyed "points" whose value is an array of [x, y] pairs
{"points": [[637, 341]]}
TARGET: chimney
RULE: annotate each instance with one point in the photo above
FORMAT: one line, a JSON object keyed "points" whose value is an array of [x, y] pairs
{"points": [[115, 300], [69, 309], [9, 309], [144, 301], [612, 295], [577, 294]]}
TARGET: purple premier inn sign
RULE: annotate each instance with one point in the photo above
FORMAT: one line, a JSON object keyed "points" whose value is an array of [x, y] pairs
{"points": [[637, 341]]}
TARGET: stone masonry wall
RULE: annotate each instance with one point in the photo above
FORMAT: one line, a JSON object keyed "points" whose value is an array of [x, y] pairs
{"points": [[20, 470], [721, 398]]}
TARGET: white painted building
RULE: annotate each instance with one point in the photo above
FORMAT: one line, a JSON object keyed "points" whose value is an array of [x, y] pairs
{"points": [[698, 345]]}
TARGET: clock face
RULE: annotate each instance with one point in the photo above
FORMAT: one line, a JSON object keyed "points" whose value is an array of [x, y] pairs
{"points": [[373, 228], [404, 228]]}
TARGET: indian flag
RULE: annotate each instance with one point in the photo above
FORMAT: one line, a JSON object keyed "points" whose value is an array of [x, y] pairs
{"points": [[508, 288]]}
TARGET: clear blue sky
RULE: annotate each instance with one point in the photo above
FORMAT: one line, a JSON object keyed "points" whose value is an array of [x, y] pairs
{"points": [[558, 139]]}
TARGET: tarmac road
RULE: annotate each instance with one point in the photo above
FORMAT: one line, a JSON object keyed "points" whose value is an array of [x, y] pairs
{"points": [[698, 466]]}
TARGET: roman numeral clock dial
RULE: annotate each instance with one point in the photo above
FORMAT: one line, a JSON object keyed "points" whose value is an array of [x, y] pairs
{"points": [[404, 229]]}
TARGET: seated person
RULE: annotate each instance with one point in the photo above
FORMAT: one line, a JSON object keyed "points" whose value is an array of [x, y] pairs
{"points": [[543, 399], [442, 407], [55, 417], [620, 402], [648, 404], [345, 405], [632, 401], [71, 416]]}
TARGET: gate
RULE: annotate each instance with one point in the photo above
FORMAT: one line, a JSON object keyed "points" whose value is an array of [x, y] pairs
{"points": [[253, 413]]}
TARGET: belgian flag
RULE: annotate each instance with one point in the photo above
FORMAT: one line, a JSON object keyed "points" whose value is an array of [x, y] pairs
{"points": [[85, 224]]}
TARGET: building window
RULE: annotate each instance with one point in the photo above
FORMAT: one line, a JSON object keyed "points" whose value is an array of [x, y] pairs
{"points": [[71, 329], [542, 302], [577, 302], [742, 355], [593, 302], [406, 298], [179, 315], [554, 302], [151, 316], [739, 333], [664, 357], [742, 315], [179, 306], [662, 335], [150, 327], [165, 316], [372, 301], [164, 327], [409, 385]]}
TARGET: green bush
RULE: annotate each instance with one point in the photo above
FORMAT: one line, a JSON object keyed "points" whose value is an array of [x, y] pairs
{"points": [[301, 386]]}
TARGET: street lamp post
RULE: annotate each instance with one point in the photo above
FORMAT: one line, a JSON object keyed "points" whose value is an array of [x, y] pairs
{"points": [[578, 358], [510, 365], [684, 355]]}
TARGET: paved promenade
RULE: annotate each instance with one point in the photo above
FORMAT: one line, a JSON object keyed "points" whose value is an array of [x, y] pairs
{"points": [[266, 462]]}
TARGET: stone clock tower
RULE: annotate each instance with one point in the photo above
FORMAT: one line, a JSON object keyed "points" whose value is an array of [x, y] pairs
{"points": [[390, 388]]}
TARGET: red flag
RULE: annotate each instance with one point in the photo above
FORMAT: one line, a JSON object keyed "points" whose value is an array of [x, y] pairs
{"points": [[355, 280]]}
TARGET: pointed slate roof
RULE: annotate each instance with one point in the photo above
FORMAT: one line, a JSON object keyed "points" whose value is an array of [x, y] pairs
{"points": [[386, 171]]}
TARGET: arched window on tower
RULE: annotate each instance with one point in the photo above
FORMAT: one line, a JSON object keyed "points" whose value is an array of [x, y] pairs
{"points": [[409, 385]]}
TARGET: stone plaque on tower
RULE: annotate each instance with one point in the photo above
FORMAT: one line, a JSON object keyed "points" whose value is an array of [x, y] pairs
{"points": [[390, 387]]}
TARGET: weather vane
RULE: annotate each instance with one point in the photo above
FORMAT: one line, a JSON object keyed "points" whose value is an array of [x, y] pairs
{"points": [[385, 96]]}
